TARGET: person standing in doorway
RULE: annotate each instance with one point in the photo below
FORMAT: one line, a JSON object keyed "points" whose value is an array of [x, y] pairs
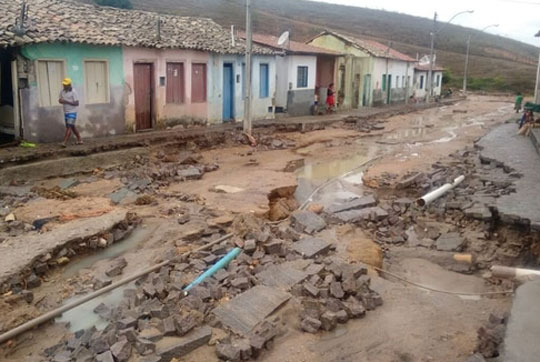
{"points": [[70, 100], [517, 103], [330, 98]]}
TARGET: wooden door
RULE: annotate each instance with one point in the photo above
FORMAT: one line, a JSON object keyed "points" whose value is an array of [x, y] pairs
{"points": [[143, 95]]}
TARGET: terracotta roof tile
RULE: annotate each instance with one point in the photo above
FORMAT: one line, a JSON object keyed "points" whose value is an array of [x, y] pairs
{"points": [[68, 21], [293, 47], [372, 47]]}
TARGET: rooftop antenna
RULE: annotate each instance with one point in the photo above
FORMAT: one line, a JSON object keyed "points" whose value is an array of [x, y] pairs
{"points": [[284, 38], [20, 22]]}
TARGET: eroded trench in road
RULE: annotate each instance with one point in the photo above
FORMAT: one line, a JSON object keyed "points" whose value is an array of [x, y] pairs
{"points": [[397, 233]]}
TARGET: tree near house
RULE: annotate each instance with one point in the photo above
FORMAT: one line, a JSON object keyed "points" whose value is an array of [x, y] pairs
{"points": [[122, 4]]}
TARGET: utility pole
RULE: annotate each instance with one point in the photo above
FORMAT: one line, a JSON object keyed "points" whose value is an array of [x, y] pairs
{"points": [[536, 85], [247, 100], [431, 51], [466, 72], [431, 55]]}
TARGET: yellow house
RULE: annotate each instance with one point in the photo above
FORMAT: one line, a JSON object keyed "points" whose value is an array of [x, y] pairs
{"points": [[370, 73]]}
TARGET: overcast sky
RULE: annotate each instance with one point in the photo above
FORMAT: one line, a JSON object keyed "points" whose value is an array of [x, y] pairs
{"points": [[517, 19]]}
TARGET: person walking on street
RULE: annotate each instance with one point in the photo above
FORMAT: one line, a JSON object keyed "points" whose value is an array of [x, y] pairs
{"points": [[70, 100], [519, 100]]}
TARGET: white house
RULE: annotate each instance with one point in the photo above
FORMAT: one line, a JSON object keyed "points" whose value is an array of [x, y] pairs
{"points": [[300, 70], [370, 73], [421, 74]]}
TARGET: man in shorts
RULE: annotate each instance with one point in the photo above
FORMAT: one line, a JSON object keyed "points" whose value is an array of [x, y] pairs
{"points": [[70, 100]]}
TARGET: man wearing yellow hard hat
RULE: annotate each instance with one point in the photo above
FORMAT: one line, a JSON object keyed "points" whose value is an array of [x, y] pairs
{"points": [[70, 100]]}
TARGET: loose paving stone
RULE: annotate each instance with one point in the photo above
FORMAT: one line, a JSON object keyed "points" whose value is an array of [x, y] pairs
{"points": [[105, 357], [121, 350], [355, 204], [282, 276], [311, 290], [311, 247], [228, 352], [371, 213], [171, 347], [67, 183], [248, 309], [342, 316], [116, 267], [33, 281], [250, 246], [121, 195], [151, 334], [144, 346], [307, 221], [310, 325], [274, 247], [450, 242], [240, 283], [336, 291], [328, 321], [479, 212], [191, 173]]}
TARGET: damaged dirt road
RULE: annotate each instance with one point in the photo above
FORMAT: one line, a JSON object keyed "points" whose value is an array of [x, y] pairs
{"points": [[308, 285]]}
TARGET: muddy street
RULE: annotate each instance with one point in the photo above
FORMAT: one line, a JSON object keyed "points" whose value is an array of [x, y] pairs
{"points": [[337, 262]]}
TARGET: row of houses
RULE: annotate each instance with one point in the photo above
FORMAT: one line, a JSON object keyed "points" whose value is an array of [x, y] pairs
{"points": [[137, 70]]}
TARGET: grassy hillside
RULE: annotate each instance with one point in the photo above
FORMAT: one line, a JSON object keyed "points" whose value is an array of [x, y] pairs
{"points": [[511, 63]]}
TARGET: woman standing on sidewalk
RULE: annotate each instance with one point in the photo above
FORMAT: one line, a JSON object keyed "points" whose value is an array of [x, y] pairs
{"points": [[330, 99]]}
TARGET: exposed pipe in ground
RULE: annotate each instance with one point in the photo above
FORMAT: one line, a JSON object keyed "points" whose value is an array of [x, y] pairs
{"points": [[505, 272], [58, 311], [435, 194], [223, 262]]}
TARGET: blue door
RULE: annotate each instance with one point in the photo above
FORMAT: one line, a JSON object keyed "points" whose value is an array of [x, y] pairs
{"points": [[228, 92]]}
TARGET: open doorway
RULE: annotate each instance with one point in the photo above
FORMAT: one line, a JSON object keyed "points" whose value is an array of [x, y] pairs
{"points": [[9, 111]]}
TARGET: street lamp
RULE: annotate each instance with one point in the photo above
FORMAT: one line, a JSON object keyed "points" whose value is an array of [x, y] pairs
{"points": [[467, 56], [432, 34]]}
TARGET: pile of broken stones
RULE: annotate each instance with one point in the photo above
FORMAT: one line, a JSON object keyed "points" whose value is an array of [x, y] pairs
{"points": [[158, 321]]}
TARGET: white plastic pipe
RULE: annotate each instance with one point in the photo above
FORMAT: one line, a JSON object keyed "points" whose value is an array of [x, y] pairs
{"points": [[435, 194], [505, 272]]}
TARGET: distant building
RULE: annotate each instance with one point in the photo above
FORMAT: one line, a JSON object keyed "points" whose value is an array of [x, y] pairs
{"points": [[133, 70], [301, 69], [370, 73], [421, 87]]}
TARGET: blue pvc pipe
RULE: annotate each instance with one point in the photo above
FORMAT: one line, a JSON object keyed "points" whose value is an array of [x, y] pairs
{"points": [[223, 262]]}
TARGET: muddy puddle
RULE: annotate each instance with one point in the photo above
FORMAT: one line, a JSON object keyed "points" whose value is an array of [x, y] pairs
{"points": [[138, 235], [83, 316]]}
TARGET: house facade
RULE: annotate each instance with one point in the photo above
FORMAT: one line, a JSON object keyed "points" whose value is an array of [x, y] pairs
{"points": [[421, 76], [369, 73], [301, 69], [133, 70]]}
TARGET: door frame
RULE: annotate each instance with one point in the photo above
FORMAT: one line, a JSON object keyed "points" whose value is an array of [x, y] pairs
{"points": [[232, 86], [152, 64], [388, 88]]}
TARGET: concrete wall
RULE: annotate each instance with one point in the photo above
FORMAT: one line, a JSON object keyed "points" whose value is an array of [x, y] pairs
{"points": [[421, 93], [298, 101], [396, 68], [46, 124], [260, 106], [165, 113]]}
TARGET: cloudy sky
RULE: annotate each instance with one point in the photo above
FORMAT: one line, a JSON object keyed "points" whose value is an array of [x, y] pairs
{"points": [[517, 19]]}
